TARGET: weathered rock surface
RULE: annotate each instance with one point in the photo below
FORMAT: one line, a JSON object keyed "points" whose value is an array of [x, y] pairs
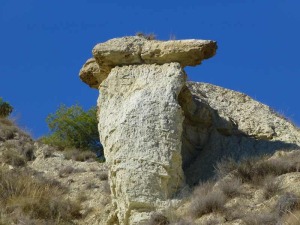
{"points": [[140, 124], [138, 50], [160, 132], [224, 123], [90, 73]]}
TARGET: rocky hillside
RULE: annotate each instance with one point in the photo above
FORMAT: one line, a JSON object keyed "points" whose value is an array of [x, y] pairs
{"points": [[177, 152], [39, 185]]}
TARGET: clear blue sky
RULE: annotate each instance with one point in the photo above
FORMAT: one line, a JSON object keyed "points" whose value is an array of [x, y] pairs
{"points": [[44, 44]]}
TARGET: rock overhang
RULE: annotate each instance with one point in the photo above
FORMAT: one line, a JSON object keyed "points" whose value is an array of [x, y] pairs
{"points": [[135, 50]]}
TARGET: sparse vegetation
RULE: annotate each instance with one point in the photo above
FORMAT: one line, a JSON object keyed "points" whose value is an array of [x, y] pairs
{"points": [[5, 108], [205, 200], [158, 219], [287, 203], [231, 188], [261, 219], [271, 187], [27, 197], [240, 180], [77, 155], [67, 170], [150, 36], [13, 158], [31, 195], [72, 127]]}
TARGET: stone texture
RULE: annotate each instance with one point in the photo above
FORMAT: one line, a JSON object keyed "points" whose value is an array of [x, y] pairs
{"points": [[140, 124], [138, 50], [90, 73], [224, 123]]}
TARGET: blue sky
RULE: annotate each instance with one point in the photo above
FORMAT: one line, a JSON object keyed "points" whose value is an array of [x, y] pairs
{"points": [[44, 44]]}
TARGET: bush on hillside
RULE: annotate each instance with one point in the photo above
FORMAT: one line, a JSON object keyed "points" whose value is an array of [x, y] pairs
{"points": [[72, 127], [5, 108]]}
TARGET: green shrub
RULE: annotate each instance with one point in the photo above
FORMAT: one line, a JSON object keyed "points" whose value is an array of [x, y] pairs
{"points": [[5, 108], [72, 127]]}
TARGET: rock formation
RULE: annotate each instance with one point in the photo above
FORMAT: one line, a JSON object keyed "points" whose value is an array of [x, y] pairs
{"points": [[160, 132]]}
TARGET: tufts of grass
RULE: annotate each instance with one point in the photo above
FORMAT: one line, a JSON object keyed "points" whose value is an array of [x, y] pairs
{"points": [[67, 170], [79, 155], [231, 188], [158, 219], [206, 201], [262, 219], [255, 169], [13, 158], [183, 222], [22, 194], [292, 218], [150, 36], [225, 167], [287, 203], [271, 187]]}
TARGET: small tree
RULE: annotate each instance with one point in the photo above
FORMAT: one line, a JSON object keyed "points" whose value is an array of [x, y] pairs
{"points": [[5, 109], [74, 127]]}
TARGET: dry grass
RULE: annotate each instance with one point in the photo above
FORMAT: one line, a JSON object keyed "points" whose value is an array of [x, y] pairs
{"points": [[13, 158], [254, 170], [183, 222], [287, 203], [158, 219], [271, 187], [225, 167], [292, 218], [256, 173], [91, 185], [67, 170], [205, 200], [102, 175], [262, 219], [150, 36], [231, 187], [79, 155], [24, 196]]}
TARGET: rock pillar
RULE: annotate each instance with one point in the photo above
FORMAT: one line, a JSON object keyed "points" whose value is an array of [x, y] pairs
{"points": [[140, 119]]}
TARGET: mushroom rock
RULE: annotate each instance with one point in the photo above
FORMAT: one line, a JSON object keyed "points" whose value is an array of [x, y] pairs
{"points": [[161, 132], [136, 50], [140, 119]]}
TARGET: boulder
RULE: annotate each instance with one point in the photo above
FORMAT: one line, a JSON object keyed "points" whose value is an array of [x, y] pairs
{"points": [[221, 123]]}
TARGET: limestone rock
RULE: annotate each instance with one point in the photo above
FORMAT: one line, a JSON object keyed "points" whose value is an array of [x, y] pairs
{"points": [[224, 123], [140, 124], [138, 50], [90, 73], [159, 131]]}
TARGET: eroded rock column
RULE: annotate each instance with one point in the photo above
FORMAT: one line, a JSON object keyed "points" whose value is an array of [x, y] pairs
{"points": [[140, 119], [140, 124]]}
